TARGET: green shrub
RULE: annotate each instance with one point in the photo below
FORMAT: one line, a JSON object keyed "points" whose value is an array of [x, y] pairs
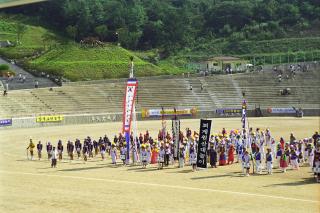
{"points": [[4, 67]]}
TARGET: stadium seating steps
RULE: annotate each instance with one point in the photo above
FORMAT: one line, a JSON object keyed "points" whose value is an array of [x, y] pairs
{"points": [[219, 91]]}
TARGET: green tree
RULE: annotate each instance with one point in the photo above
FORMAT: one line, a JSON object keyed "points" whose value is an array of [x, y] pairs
{"points": [[102, 31], [20, 31], [72, 31], [48, 39], [128, 39], [289, 14]]}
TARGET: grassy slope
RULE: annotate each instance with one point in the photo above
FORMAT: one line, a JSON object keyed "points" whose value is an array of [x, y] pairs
{"points": [[76, 63], [70, 60], [30, 43]]}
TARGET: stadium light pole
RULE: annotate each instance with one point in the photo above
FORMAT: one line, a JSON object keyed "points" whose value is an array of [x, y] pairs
{"points": [[131, 70], [117, 35]]}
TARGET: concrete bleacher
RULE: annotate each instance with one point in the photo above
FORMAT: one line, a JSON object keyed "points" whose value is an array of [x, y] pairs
{"points": [[220, 91]]}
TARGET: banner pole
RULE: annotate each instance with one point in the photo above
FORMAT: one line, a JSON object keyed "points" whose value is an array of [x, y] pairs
{"points": [[135, 129], [129, 112]]}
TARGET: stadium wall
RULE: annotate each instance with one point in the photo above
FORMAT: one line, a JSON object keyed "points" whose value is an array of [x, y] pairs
{"points": [[31, 122]]}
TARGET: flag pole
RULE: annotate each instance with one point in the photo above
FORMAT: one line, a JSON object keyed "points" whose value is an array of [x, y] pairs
{"points": [[132, 115], [246, 125]]}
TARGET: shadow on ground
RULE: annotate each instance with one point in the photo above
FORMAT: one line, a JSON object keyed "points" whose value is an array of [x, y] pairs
{"points": [[90, 168], [304, 181], [216, 176], [148, 169]]}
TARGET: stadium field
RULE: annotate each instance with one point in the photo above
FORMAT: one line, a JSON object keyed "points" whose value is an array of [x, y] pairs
{"points": [[99, 186]]}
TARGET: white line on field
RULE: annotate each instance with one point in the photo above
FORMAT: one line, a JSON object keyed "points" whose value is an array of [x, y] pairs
{"points": [[162, 185]]}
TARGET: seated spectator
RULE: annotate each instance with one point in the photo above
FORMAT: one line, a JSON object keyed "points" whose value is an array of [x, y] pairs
{"points": [[280, 78], [36, 85], [286, 91]]}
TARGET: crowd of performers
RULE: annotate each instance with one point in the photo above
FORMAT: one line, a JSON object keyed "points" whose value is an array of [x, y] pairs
{"points": [[256, 149]]}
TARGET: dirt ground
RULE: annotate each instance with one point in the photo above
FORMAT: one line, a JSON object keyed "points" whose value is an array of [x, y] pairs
{"points": [[98, 186]]}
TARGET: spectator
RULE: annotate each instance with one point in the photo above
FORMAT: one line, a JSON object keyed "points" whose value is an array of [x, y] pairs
{"points": [[299, 67], [10, 78], [300, 113], [293, 75], [190, 87], [286, 91], [36, 85], [275, 69]]}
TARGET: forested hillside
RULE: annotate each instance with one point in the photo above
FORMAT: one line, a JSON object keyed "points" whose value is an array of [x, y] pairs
{"points": [[165, 36], [172, 24]]}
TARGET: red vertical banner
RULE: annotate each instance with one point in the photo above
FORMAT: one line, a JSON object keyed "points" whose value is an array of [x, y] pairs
{"points": [[128, 103]]}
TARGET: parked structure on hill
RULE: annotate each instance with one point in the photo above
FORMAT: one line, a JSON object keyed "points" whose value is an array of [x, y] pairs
{"points": [[223, 63]]}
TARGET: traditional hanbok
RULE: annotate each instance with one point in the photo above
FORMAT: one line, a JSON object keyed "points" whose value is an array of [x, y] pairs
{"points": [[144, 158], [213, 157], [222, 157], [269, 159], [294, 160], [154, 156], [278, 157], [161, 158], [113, 153], [231, 154], [193, 156], [283, 162], [123, 153], [258, 162]]}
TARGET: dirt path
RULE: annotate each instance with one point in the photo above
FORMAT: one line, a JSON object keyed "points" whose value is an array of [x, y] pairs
{"points": [[29, 83]]}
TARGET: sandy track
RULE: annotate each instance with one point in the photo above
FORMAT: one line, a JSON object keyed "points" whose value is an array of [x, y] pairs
{"points": [[97, 186]]}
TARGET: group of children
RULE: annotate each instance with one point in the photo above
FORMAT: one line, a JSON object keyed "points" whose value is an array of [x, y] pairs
{"points": [[257, 149]]}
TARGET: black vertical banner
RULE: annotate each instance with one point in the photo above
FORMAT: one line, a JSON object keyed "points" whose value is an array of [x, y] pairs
{"points": [[175, 136], [205, 127]]}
